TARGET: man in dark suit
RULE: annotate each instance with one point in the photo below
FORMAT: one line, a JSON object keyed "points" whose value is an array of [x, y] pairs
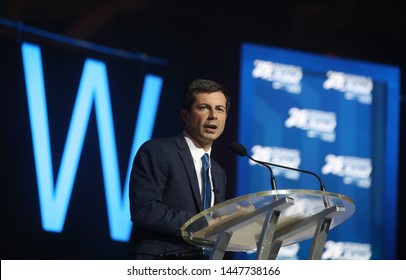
{"points": [[167, 182]]}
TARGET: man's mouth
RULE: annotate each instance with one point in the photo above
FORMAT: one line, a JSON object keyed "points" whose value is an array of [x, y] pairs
{"points": [[210, 128]]}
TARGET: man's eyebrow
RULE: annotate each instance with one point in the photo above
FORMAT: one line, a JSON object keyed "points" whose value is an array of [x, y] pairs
{"points": [[214, 105]]}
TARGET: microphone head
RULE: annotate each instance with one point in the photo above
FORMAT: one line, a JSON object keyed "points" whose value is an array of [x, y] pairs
{"points": [[238, 149]]}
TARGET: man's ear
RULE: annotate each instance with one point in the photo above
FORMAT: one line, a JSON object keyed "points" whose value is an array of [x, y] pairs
{"points": [[185, 114]]}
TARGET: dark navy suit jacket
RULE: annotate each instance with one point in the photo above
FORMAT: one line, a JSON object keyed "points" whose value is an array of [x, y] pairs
{"points": [[164, 194]]}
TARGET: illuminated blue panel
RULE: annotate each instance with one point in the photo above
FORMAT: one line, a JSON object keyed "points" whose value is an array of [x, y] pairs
{"points": [[93, 88], [119, 211], [336, 117], [51, 209], [145, 120]]}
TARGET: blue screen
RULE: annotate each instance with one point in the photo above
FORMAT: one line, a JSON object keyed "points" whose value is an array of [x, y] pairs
{"points": [[335, 117]]}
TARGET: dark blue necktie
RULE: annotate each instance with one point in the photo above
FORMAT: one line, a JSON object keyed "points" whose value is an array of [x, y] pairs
{"points": [[206, 182]]}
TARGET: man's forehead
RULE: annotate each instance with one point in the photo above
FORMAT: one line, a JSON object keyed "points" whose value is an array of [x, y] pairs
{"points": [[215, 97]]}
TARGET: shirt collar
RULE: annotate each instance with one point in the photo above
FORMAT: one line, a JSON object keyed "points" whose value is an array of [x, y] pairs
{"points": [[196, 152]]}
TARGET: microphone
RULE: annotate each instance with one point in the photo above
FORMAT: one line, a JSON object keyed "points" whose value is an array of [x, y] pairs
{"points": [[242, 151]]}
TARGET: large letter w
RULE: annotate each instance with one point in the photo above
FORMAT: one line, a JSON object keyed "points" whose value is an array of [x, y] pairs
{"points": [[93, 88]]}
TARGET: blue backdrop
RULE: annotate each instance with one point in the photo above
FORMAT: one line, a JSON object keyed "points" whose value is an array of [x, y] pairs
{"points": [[335, 117]]}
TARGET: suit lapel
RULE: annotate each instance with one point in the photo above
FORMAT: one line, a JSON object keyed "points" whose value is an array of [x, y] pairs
{"points": [[216, 180], [190, 168]]}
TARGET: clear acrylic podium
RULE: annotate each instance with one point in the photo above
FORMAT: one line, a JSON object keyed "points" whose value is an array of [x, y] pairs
{"points": [[263, 222]]}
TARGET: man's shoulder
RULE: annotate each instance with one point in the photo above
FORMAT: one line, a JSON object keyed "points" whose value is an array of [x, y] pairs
{"points": [[163, 142]]}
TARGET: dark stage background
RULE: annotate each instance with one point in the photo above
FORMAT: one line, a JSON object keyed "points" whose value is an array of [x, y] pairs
{"points": [[180, 40]]}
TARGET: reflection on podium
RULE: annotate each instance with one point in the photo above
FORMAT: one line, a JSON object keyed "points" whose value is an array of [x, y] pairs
{"points": [[264, 222]]}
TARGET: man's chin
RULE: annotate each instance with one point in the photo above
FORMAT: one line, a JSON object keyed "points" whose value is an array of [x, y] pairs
{"points": [[211, 136]]}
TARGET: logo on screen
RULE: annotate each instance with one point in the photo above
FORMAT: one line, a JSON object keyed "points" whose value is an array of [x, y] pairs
{"points": [[281, 156], [346, 251], [283, 76], [353, 86], [354, 170], [317, 123]]}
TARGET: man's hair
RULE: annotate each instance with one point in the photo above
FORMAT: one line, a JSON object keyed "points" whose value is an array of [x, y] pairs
{"points": [[199, 86]]}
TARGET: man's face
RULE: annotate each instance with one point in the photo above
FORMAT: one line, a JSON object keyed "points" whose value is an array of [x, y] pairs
{"points": [[207, 118]]}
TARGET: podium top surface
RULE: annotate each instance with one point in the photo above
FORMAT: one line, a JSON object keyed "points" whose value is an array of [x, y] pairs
{"points": [[244, 216]]}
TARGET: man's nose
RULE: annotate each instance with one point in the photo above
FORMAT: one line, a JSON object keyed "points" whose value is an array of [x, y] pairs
{"points": [[213, 114]]}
